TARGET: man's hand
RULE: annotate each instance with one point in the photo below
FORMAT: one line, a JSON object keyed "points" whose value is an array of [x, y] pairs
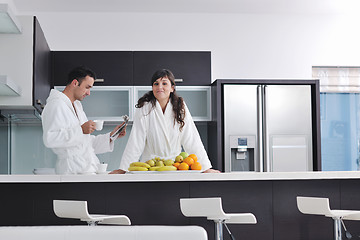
{"points": [[88, 127], [117, 171]]}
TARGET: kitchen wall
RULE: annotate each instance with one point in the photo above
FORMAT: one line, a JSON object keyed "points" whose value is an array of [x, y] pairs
{"points": [[242, 45], [16, 57]]}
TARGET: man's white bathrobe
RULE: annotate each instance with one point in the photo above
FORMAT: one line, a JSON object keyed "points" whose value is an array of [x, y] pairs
{"points": [[154, 134], [62, 133]]}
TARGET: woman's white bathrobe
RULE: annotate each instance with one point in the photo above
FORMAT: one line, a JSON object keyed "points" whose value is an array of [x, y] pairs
{"points": [[62, 133], [154, 134]]}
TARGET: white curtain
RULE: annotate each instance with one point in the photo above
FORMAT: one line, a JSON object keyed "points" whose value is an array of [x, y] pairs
{"points": [[338, 79]]}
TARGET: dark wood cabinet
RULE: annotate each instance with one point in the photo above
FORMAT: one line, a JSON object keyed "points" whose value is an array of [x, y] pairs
{"points": [[124, 68], [114, 67], [273, 202], [239, 197], [189, 68], [289, 222], [41, 68]]}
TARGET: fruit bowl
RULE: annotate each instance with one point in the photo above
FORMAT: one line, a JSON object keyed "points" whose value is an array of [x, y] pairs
{"points": [[141, 172], [182, 171], [183, 163], [164, 172]]}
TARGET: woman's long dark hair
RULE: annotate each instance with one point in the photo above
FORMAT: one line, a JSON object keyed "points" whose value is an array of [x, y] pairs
{"points": [[176, 101]]}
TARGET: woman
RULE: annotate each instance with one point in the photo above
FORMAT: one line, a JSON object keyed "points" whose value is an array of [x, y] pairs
{"points": [[162, 124]]}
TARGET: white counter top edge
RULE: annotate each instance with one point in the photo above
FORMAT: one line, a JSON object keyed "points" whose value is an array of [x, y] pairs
{"points": [[29, 178], [162, 177]]}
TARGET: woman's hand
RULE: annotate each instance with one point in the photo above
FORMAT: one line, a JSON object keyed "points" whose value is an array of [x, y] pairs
{"points": [[210, 170], [118, 171], [122, 133]]}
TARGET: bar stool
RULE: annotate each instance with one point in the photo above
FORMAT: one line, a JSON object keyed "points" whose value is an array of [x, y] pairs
{"points": [[321, 206], [211, 208], [79, 210]]}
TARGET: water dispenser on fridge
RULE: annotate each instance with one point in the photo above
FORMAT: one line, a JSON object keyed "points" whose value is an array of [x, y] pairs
{"points": [[242, 156]]}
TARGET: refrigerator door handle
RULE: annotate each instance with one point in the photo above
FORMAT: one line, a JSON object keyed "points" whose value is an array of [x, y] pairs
{"points": [[267, 165], [259, 161]]}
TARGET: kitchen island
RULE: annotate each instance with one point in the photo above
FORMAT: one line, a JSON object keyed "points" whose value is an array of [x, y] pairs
{"points": [[153, 199]]}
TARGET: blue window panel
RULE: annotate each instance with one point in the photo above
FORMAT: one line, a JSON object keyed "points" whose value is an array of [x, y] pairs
{"points": [[339, 114]]}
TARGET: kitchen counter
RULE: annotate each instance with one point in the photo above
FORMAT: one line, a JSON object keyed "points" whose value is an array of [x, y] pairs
{"points": [[181, 177], [153, 199]]}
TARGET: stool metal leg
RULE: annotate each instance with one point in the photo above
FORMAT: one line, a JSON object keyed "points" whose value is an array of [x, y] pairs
{"points": [[219, 230], [337, 229], [92, 223]]}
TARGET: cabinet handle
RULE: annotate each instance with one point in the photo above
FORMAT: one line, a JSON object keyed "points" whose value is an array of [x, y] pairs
{"points": [[99, 80], [38, 102], [179, 80]]}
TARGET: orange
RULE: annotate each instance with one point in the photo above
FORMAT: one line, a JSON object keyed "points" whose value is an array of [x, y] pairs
{"points": [[176, 164], [189, 161], [193, 156], [196, 166], [183, 166]]}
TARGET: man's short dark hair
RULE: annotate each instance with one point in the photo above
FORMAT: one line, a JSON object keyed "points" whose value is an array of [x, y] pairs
{"points": [[79, 73]]}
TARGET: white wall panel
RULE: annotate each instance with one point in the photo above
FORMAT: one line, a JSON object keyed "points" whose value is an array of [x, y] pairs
{"points": [[16, 58], [242, 45]]}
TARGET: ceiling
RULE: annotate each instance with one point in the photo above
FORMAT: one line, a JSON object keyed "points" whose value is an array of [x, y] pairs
{"points": [[189, 6]]}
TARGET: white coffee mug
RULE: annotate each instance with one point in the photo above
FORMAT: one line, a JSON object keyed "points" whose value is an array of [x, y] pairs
{"points": [[99, 124], [101, 168]]}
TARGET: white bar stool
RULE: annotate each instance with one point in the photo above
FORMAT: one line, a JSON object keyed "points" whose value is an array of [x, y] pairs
{"points": [[79, 210], [321, 206], [211, 208]]}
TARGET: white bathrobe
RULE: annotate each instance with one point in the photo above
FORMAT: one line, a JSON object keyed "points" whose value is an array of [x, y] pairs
{"points": [[62, 133], [154, 134]]}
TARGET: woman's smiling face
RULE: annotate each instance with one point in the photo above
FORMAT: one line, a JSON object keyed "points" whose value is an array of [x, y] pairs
{"points": [[162, 88]]}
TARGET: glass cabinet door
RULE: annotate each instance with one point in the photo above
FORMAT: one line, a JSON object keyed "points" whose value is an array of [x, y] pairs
{"points": [[197, 98], [108, 103]]}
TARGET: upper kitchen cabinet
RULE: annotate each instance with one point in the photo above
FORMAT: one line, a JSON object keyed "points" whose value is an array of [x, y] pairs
{"points": [[189, 68], [41, 68], [25, 59], [197, 99], [112, 68], [108, 103]]}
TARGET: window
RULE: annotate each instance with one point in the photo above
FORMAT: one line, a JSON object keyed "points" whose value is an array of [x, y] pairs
{"points": [[340, 116]]}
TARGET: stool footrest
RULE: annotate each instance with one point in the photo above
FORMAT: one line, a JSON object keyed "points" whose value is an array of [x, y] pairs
{"points": [[241, 218], [108, 219]]}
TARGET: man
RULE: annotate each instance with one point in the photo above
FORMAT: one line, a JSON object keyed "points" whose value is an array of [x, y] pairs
{"points": [[66, 129]]}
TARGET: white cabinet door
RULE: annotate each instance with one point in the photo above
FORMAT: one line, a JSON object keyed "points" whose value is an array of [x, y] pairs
{"points": [[197, 98], [108, 103]]}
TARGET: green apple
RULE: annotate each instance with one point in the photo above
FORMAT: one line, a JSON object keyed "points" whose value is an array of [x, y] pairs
{"points": [[169, 162], [151, 162], [179, 159], [160, 163], [184, 154]]}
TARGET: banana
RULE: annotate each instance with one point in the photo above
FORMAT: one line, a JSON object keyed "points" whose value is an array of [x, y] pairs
{"points": [[139, 164], [154, 168], [137, 169], [167, 168]]}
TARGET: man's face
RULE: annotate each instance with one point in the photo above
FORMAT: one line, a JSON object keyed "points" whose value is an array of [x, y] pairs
{"points": [[83, 90]]}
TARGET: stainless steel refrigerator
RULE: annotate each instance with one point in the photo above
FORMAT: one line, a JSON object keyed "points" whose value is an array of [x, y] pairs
{"points": [[267, 128]]}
